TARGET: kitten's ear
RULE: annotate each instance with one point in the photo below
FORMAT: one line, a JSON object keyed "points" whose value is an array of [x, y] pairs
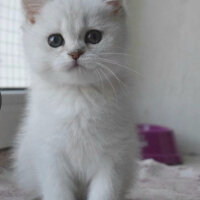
{"points": [[32, 8], [117, 5]]}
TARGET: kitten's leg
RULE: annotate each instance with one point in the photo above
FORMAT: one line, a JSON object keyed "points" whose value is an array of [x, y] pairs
{"points": [[55, 189], [108, 184], [56, 184]]}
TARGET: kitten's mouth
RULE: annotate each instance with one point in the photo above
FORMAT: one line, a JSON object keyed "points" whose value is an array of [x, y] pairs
{"points": [[75, 65]]}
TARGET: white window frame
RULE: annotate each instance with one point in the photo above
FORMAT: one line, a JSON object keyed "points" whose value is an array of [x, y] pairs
{"points": [[13, 102]]}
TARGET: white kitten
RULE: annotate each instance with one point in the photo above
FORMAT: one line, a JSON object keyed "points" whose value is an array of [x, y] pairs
{"points": [[77, 141]]}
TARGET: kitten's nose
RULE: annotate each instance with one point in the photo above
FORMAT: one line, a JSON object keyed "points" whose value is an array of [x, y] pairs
{"points": [[76, 54]]}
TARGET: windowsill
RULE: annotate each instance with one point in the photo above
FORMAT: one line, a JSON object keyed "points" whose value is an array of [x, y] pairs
{"points": [[13, 97]]}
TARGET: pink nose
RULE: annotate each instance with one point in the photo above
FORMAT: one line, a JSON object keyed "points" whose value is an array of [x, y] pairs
{"points": [[76, 54]]}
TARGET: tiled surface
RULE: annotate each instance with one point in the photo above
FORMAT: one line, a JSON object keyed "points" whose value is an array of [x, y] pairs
{"points": [[13, 71]]}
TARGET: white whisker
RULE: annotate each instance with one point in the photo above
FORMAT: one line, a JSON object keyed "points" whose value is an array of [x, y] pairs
{"points": [[120, 65], [102, 82], [115, 76], [110, 83], [116, 53]]}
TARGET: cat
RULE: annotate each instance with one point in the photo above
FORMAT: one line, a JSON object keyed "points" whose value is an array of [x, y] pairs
{"points": [[77, 138]]}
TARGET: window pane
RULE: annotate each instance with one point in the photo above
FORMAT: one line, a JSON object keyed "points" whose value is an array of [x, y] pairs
{"points": [[13, 71]]}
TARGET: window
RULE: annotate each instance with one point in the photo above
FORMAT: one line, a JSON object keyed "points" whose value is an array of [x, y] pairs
{"points": [[13, 70]]}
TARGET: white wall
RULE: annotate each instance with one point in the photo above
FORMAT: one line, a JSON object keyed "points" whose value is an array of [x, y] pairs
{"points": [[166, 51]]}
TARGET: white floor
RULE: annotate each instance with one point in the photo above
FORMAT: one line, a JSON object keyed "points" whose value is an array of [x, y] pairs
{"points": [[156, 182], [160, 182]]}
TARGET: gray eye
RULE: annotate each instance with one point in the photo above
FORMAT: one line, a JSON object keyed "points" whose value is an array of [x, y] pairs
{"points": [[93, 37], [56, 40]]}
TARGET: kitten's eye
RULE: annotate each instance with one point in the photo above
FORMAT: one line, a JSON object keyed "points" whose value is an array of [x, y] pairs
{"points": [[56, 40], [93, 37]]}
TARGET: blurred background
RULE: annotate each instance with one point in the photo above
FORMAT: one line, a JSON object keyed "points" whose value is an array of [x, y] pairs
{"points": [[165, 51]]}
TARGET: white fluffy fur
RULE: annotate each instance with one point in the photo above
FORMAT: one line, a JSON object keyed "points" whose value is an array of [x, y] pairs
{"points": [[77, 140]]}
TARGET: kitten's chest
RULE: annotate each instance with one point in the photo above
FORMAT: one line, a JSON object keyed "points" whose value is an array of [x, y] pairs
{"points": [[83, 141], [81, 127]]}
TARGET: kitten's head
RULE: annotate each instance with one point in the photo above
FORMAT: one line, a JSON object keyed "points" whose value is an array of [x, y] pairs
{"points": [[75, 41]]}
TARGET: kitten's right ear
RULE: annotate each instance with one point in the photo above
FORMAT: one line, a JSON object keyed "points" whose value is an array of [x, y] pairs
{"points": [[117, 5], [32, 8]]}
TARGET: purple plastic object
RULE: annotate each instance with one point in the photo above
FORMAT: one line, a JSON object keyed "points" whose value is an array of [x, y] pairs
{"points": [[160, 144]]}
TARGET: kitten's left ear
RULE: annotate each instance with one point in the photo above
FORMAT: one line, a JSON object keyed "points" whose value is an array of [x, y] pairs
{"points": [[32, 8], [117, 5]]}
